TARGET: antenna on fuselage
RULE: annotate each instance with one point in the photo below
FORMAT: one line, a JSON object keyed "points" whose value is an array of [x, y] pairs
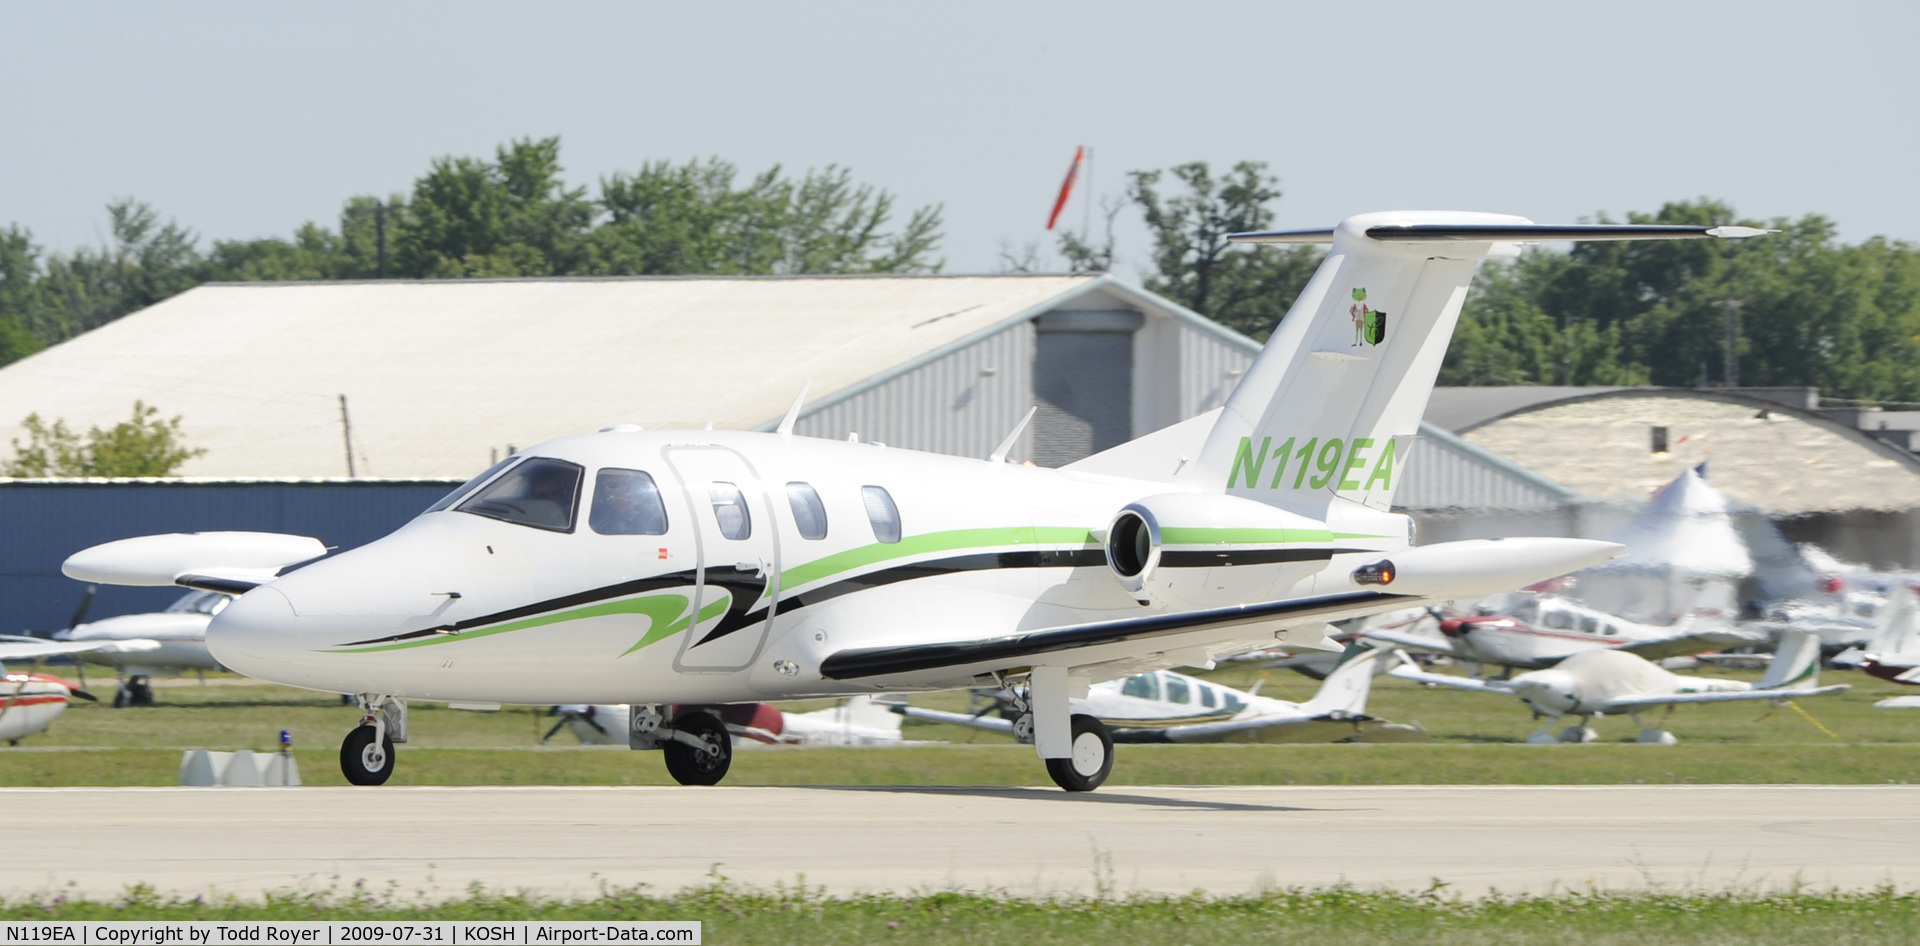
{"points": [[793, 413], [999, 454]]}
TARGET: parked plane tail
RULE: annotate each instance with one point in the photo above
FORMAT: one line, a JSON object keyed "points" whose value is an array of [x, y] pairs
{"points": [[1346, 688], [1328, 410], [1796, 662]]}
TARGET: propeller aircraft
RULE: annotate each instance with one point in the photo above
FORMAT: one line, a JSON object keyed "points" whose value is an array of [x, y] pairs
{"points": [[690, 568], [1535, 631]]}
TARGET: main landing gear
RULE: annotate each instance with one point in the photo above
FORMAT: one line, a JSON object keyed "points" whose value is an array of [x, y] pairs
{"points": [[1079, 762], [366, 755], [134, 691]]}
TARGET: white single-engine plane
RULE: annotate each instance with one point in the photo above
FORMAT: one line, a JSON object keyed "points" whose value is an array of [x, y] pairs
{"points": [[680, 567]]}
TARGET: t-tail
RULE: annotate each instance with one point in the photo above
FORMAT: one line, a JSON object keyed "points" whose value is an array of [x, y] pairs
{"points": [[1327, 413]]}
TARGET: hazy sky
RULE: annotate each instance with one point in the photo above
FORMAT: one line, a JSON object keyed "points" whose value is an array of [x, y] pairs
{"points": [[244, 120]]}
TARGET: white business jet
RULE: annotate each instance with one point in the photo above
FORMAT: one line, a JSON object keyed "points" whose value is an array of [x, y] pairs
{"points": [[661, 568], [858, 722], [1164, 706], [1537, 631], [1597, 682]]}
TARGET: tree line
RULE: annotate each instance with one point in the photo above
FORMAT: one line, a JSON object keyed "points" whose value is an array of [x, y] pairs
{"points": [[1798, 307]]}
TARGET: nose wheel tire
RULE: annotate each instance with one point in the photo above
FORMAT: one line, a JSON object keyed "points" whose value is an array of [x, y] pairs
{"points": [[363, 761], [1092, 759], [693, 765]]}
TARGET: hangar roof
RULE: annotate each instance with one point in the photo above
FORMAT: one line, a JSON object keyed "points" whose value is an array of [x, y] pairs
{"points": [[438, 373], [1781, 460]]}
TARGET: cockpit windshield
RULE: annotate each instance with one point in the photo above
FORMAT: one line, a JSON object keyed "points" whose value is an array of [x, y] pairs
{"points": [[200, 602], [542, 492], [448, 500]]}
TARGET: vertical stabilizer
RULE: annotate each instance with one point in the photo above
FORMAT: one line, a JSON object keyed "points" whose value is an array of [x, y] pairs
{"points": [[1346, 689], [1796, 662], [1328, 411]]}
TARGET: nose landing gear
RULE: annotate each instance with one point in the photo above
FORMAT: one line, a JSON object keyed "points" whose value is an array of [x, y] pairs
{"points": [[366, 755], [699, 751]]}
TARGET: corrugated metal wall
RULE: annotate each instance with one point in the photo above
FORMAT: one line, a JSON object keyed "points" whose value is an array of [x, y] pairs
{"points": [[47, 521], [962, 403], [1209, 368], [1443, 473]]}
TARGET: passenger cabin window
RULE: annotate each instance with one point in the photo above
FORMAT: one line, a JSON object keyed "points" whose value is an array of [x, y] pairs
{"points": [[809, 516], [1143, 685], [730, 509], [1206, 696], [542, 492], [627, 502], [1610, 629], [1177, 691], [1234, 703], [1559, 620], [461, 490], [881, 511]]}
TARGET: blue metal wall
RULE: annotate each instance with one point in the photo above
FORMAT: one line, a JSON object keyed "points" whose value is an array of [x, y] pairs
{"points": [[41, 523]]}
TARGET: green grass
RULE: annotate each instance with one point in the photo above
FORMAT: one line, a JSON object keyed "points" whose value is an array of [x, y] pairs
{"points": [[1324, 917], [1475, 742]]}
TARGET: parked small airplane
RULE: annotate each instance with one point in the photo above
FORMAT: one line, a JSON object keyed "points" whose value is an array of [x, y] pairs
{"points": [[1164, 706], [1597, 682], [1893, 651], [1536, 631], [178, 635], [30, 700], [859, 721], [693, 568]]}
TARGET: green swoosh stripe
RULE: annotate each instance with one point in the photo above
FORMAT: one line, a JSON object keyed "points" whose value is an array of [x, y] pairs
{"points": [[663, 612], [930, 542]]}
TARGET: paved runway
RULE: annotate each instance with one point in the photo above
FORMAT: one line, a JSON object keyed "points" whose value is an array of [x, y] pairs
{"points": [[567, 841]]}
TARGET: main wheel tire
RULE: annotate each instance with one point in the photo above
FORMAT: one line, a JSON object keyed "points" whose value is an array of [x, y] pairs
{"points": [[1092, 759], [142, 694], [121, 697], [362, 762], [691, 766]]}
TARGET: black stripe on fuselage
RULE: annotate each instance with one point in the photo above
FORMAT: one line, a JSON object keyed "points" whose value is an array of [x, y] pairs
{"points": [[747, 588]]}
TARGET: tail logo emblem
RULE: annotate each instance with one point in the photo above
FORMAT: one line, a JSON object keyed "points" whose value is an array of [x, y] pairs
{"points": [[1369, 324]]}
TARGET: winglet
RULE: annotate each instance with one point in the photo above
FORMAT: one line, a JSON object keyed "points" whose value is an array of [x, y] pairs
{"points": [[793, 413], [999, 454]]}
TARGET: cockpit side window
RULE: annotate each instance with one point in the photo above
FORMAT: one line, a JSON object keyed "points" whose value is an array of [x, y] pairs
{"points": [[1143, 685], [448, 500], [201, 602], [627, 502], [541, 492]]}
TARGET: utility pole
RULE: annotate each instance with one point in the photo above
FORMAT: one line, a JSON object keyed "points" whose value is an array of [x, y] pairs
{"points": [[1730, 364], [380, 209], [346, 430]]}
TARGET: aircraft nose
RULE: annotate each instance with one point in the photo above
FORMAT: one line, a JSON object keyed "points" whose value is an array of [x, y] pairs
{"points": [[257, 629]]}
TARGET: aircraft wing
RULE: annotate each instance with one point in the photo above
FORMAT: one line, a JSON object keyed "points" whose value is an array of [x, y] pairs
{"points": [[1410, 672], [1436, 645], [1640, 702], [988, 723], [984, 655], [1692, 642], [24, 650]]}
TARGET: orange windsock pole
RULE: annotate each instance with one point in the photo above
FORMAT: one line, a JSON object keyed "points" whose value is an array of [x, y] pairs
{"points": [[1066, 187]]}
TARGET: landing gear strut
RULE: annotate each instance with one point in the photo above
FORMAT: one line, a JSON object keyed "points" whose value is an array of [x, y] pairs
{"points": [[134, 691], [1092, 759], [699, 751], [366, 755]]}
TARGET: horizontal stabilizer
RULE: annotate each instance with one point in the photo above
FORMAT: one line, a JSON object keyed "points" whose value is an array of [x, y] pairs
{"points": [[1505, 233]]}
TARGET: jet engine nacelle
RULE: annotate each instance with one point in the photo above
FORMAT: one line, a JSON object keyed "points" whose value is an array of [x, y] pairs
{"points": [[1208, 550]]}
